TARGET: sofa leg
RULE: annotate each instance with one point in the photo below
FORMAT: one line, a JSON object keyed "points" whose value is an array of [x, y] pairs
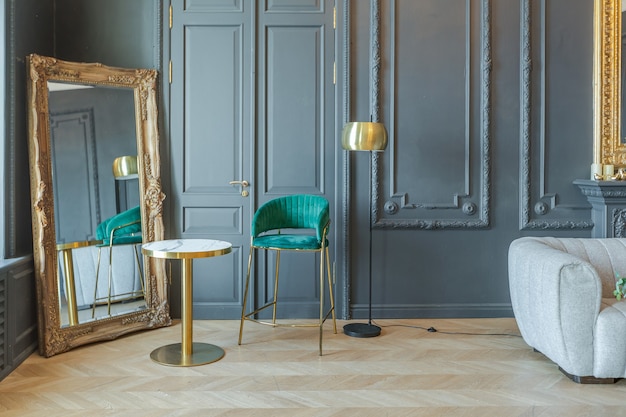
{"points": [[589, 379]]}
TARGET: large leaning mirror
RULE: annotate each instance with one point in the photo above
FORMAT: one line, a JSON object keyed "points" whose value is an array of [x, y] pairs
{"points": [[96, 197], [609, 142]]}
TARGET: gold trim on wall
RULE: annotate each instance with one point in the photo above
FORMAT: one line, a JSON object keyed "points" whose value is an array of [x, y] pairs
{"points": [[608, 147]]}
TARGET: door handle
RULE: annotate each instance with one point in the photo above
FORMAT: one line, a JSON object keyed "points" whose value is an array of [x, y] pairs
{"points": [[244, 184]]}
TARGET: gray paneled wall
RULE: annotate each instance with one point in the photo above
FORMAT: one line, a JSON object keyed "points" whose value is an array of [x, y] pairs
{"points": [[28, 28], [18, 313], [118, 33], [489, 110]]}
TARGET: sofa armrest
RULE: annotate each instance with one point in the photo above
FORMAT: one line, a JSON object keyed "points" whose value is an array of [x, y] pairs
{"points": [[556, 299]]}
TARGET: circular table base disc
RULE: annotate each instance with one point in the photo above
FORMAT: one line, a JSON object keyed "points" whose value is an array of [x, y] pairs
{"points": [[202, 353]]}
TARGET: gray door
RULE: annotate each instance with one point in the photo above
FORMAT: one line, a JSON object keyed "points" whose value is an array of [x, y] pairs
{"points": [[252, 99]]}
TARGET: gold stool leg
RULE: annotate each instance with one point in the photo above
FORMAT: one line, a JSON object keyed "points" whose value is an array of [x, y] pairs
{"points": [[141, 277], [110, 278], [331, 288], [95, 290], [245, 296], [321, 322], [276, 287]]}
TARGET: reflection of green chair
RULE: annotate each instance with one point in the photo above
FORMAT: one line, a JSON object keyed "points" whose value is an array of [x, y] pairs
{"points": [[122, 229], [291, 212]]}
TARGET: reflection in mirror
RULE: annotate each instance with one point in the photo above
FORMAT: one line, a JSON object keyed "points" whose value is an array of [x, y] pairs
{"points": [[90, 127], [96, 197]]}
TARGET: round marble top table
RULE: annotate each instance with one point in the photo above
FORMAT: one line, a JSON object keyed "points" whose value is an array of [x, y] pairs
{"points": [[186, 353]]}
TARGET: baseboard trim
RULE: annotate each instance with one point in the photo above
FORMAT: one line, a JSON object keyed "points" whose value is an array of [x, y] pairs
{"points": [[493, 310]]}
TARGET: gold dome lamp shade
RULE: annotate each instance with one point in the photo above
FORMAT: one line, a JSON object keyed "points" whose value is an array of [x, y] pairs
{"points": [[125, 167], [125, 171], [364, 136]]}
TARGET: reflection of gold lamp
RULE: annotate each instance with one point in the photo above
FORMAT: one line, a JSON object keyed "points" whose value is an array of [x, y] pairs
{"points": [[124, 168], [365, 136]]}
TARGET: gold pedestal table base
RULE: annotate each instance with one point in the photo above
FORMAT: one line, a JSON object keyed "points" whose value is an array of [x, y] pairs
{"points": [[202, 354], [186, 353]]}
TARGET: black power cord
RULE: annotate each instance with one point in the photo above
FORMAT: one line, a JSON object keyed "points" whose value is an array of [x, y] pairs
{"points": [[434, 330]]}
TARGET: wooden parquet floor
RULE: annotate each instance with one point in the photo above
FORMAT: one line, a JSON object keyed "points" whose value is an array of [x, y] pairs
{"points": [[406, 371]]}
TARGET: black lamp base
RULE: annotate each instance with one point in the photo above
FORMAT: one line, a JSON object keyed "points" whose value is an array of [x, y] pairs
{"points": [[361, 330]]}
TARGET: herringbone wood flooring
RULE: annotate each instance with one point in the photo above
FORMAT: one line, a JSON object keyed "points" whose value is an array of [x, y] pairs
{"points": [[277, 372]]}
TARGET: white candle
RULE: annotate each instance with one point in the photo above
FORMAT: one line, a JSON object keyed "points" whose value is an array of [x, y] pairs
{"points": [[596, 169], [609, 171]]}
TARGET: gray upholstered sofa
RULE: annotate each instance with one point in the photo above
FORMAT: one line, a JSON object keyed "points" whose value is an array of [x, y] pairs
{"points": [[562, 298]]}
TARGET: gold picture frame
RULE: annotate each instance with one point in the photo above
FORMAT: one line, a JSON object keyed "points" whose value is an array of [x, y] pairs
{"points": [[608, 147]]}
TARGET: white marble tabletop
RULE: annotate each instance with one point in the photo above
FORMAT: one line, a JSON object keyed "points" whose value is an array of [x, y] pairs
{"points": [[186, 248]]}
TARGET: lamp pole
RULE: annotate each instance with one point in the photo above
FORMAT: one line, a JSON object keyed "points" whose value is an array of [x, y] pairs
{"points": [[366, 329]]}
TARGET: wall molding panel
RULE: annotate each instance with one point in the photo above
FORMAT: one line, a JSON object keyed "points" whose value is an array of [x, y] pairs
{"points": [[280, 41], [346, 200], [448, 310], [295, 6], [220, 6], [469, 206], [539, 208], [375, 81]]}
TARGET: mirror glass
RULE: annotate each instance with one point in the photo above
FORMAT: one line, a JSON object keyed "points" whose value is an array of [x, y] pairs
{"points": [[96, 194], [90, 128]]}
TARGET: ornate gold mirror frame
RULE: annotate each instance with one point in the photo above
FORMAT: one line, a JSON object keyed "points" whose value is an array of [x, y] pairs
{"points": [[53, 337], [608, 147]]}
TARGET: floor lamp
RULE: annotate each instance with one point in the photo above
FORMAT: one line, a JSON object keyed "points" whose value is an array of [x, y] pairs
{"points": [[372, 137], [124, 169]]}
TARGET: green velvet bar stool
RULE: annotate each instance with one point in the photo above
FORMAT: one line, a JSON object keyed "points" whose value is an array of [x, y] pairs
{"points": [[291, 212], [122, 229]]}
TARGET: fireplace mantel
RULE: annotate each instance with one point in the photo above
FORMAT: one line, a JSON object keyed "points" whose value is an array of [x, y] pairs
{"points": [[608, 202]]}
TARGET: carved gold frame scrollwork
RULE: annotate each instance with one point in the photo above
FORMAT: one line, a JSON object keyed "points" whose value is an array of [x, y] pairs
{"points": [[608, 148], [54, 338]]}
